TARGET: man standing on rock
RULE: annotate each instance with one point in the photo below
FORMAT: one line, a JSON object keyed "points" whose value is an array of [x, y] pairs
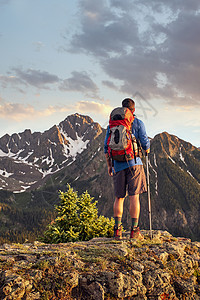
{"points": [[128, 174]]}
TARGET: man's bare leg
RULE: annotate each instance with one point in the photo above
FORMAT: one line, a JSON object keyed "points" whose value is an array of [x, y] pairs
{"points": [[118, 207], [134, 206]]}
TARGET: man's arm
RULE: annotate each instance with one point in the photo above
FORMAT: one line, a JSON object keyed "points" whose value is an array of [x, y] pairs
{"points": [[108, 159], [109, 164], [142, 135]]}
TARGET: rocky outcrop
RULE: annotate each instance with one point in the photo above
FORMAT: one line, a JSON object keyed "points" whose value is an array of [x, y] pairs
{"points": [[162, 268]]}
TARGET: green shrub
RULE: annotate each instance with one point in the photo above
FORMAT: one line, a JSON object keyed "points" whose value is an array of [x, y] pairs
{"points": [[77, 220]]}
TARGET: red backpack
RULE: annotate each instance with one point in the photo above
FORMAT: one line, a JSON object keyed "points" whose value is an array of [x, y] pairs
{"points": [[122, 144]]}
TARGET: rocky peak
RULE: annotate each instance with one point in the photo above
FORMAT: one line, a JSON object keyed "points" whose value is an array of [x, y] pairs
{"points": [[83, 126], [45, 153], [166, 145]]}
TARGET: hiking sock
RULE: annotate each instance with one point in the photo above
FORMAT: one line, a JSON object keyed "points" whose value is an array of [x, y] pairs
{"points": [[118, 221], [134, 222]]}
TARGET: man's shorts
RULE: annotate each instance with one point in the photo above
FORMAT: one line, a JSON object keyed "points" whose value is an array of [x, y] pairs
{"points": [[132, 178]]}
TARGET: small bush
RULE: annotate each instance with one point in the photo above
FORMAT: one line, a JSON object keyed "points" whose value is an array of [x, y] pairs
{"points": [[77, 220]]}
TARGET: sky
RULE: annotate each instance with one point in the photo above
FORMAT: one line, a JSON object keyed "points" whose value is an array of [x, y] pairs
{"points": [[63, 57]]}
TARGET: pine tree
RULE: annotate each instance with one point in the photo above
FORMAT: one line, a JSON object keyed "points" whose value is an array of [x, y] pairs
{"points": [[77, 219]]}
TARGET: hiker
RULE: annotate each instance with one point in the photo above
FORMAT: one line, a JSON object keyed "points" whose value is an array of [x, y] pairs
{"points": [[127, 171]]}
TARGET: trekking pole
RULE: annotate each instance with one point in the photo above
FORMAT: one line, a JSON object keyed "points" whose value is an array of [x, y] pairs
{"points": [[148, 191]]}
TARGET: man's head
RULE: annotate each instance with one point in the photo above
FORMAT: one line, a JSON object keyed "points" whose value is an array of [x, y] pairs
{"points": [[129, 103]]}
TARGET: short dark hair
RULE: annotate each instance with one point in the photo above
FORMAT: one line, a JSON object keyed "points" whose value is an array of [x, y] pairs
{"points": [[129, 103]]}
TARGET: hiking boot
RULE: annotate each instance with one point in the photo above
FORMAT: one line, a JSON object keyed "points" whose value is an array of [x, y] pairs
{"points": [[118, 232], [136, 234]]}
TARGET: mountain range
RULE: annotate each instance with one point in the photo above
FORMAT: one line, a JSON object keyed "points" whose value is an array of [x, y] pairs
{"points": [[27, 158], [35, 166]]}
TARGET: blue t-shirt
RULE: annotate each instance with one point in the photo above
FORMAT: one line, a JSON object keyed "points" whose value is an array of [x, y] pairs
{"points": [[139, 131]]}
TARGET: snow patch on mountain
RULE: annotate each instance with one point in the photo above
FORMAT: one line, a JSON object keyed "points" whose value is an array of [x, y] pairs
{"points": [[154, 159], [190, 174], [181, 155], [4, 173], [155, 172], [74, 146], [171, 159]]}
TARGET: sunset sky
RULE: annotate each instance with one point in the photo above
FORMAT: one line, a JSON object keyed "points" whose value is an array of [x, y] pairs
{"points": [[62, 57]]}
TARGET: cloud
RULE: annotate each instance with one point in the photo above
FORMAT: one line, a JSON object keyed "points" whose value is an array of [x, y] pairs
{"points": [[37, 78], [103, 32], [185, 5], [82, 107], [109, 84], [20, 112], [16, 111], [9, 80], [93, 107], [135, 41], [29, 77], [80, 82]]}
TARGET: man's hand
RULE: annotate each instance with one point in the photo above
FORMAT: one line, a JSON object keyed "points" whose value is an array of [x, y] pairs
{"points": [[109, 164], [110, 171], [147, 151]]}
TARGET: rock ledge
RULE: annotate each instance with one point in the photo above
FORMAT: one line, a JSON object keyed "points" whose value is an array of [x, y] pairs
{"points": [[162, 268]]}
